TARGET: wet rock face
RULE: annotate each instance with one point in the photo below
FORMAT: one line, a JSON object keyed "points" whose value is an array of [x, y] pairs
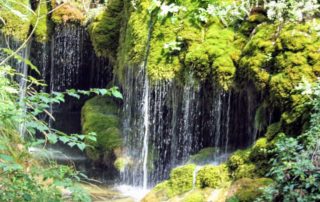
{"points": [[182, 119]]}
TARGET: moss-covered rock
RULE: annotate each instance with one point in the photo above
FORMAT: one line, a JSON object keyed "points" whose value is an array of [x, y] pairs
{"points": [[213, 176], [67, 13], [100, 115], [105, 29], [194, 196], [17, 25], [203, 156], [237, 159], [247, 190], [276, 58], [181, 179], [158, 193], [247, 170], [209, 52], [242, 165]]}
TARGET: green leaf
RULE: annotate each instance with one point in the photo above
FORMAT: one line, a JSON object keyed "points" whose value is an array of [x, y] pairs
{"points": [[64, 139], [6, 157], [116, 94], [71, 144], [81, 146], [81, 137], [73, 93], [52, 138]]}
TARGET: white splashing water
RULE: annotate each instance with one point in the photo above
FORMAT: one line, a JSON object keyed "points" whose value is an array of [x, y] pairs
{"points": [[136, 193]]}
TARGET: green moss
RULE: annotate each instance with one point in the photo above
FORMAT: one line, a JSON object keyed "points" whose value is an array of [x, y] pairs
{"points": [[105, 29], [225, 71], [181, 179], [237, 159], [247, 170], [16, 25], [99, 115], [44, 26], [242, 163], [273, 130], [259, 150], [203, 156], [276, 59], [213, 176], [121, 163], [295, 37], [67, 13], [208, 52], [133, 37], [161, 63], [216, 55], [247, 190], [195, 196], [158, 193]]}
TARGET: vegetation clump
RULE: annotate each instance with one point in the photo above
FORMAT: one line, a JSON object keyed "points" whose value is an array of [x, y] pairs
{"points": [[105, 29], [67, 13], [100, 115], [213, 176], [180, 181]]}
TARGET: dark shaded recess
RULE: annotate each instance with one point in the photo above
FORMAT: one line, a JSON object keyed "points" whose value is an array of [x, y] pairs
{"points": [[68, 61]]}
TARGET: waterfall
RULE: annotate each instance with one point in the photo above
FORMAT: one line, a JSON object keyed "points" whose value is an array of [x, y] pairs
{"points": [[145, 149], [182, 119], [22, 69], [194, 176], [228, 122]]}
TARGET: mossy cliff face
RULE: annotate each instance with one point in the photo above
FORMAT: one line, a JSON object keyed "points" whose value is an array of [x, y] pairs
{"points": [[105, 29], [209, 51], [100, 115], [276, 58]]}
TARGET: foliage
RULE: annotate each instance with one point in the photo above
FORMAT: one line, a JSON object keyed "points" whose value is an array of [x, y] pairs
{"points": [[295, 166], [22, 178], [292, 10], [213, 176]]}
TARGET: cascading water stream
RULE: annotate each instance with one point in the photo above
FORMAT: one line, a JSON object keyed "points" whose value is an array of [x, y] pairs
{"points": [[228, 122], [23, 71], [145, 149]]}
